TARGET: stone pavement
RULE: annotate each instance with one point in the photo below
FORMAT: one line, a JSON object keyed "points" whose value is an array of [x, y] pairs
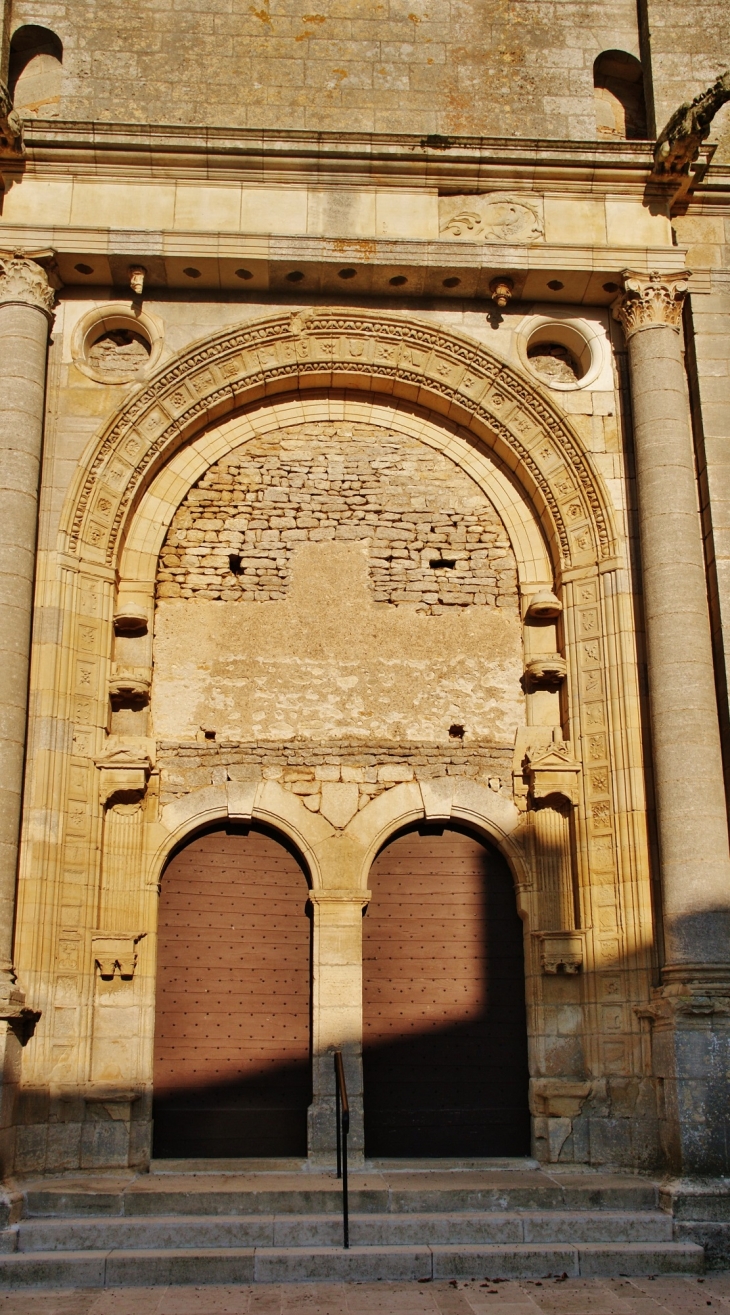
{"points": [[622, 1296]]}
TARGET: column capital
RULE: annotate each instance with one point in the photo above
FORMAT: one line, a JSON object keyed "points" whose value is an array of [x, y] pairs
{"points": [[651, 301], [23, 280]]}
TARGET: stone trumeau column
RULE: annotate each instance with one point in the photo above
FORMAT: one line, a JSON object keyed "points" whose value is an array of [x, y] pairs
{"points": [[691, 1009], [26, 302]]}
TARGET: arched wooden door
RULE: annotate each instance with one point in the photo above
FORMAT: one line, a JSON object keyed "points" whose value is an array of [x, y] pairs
{"points": [[444, 1028], [232, 1066]]}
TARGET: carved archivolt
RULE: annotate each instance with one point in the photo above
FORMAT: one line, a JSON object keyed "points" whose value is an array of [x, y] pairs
{"points": [[399, 356]]}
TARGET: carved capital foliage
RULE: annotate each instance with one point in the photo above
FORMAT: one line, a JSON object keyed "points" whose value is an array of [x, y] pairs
{"points": [[24, 280], [648, 302]]}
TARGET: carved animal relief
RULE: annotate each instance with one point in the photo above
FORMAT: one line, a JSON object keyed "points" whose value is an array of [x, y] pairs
{"points": [[495, 217]]}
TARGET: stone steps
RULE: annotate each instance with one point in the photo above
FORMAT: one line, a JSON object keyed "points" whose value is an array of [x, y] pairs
{"points": [[320, 1193], [149, 1266], [287, 1227], [366, 1230]]}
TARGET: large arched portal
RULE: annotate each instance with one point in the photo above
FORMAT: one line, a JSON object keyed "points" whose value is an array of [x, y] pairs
{"points": [[367, 685], [232, 1068], [444, 1027]]}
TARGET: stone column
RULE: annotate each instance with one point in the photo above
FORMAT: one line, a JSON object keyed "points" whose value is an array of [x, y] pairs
{"points": [[26, 302], [337, 1018], [690, 1010]]}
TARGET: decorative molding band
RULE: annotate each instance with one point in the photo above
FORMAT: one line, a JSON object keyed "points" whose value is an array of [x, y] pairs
{"points": [[24, 281], [652, 302], [424, 367]]}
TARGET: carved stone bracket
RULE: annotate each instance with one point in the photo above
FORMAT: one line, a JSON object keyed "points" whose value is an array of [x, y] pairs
{"points": [[651, 302], [22, 279], [685, 1004], [546, 672], [11, 125], [123, 773], [130, 682], [114, 950], [679, 144], [561, 951], [552, 772]]}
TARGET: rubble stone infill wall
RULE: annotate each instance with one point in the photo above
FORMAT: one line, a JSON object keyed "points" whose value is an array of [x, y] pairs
{"points": [[435, 542], [300, 768]]}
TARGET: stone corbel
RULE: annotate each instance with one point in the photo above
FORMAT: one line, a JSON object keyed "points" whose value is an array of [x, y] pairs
{"points": [[545, 672], [561, 951], [130, 682], [114, 950], [124, 774], [552, 773], [558, 1098], [11, 126], [19, 1015]]}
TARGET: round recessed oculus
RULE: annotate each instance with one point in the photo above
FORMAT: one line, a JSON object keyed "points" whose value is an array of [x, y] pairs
{"points": [[191, 273], [452, 282], [611, 287], [244, 274], [555, 285], [561, 353], [347, 274], [116, 344], [83, 269], [296, 276], [398, 280]]}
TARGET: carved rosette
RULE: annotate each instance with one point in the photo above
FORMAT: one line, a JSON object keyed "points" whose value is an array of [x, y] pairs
{"points": [[23, 280], [652, 302]]}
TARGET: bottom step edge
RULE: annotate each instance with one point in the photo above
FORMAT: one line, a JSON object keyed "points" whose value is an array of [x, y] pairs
{"points": [[248, 1265]]}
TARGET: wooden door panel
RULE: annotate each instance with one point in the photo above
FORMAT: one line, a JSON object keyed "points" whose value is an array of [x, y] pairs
{"points": [[444, 1028], [232, 1068]]}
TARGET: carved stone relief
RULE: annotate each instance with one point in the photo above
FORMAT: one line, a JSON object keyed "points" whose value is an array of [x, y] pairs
{"points": [[119, 351], [494, 217]]}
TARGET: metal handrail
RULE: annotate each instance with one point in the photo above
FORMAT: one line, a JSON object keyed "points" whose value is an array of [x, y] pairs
{"points": [[342, 1106]]}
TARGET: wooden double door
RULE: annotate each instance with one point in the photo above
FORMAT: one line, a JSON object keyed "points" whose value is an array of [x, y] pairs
{"points": [[444, 1034]]}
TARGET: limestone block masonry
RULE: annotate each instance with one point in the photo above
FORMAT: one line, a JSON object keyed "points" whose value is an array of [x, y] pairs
{"points": [[26, 302], [364, 421]]}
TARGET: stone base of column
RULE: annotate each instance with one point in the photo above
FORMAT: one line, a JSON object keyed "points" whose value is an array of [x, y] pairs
{"points": [[691, 1065], [10, 1053], [321, 1118]]}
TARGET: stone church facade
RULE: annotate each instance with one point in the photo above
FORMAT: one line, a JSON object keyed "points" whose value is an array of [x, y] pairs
{"points": [[364, 418]]}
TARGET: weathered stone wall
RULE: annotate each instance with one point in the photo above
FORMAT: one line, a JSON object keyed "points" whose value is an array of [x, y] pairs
{"points": [[337, 627], [434, 540], [303, 768], [479, 67], [690, 47]]}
